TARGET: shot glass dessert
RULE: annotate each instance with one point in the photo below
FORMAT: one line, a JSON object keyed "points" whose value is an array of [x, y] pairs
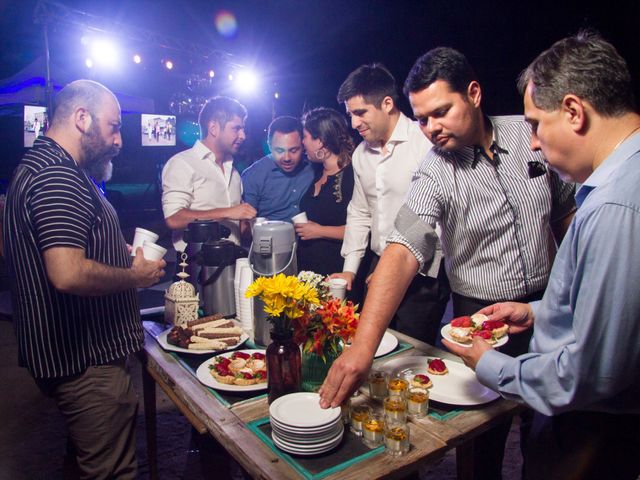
{"points": [[398, 386], [418, 402], [373, 430], [378, 384], [396, 438], [395, 408], [359, 413]]}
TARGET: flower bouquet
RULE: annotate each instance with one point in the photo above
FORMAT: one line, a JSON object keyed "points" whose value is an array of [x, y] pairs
{"points": [[285, 299], [322, 331]]}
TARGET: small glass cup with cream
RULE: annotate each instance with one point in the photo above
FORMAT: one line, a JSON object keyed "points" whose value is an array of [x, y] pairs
{"points": [[373, 430], [398, 385], [395, 408], [418, 402], [396, 438], [358, 414], [378, 384]]}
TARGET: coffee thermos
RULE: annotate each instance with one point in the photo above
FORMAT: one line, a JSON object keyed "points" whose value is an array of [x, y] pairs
{"points": [[196, 234], [272, 251], [217, 261]]}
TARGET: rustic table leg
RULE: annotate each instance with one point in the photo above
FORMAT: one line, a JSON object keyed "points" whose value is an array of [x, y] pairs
{"points": [[149, 394], [464, 461]]}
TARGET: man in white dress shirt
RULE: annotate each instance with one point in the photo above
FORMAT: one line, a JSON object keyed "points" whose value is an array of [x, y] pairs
{"points": [[384, 164], [201, 183]]}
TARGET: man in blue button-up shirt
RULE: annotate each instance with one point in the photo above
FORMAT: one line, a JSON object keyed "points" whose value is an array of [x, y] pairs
{"points": [[275, 184], [582, 374]]}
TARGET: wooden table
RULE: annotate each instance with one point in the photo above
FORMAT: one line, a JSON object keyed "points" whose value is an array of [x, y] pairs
{"points": [[430, 437]]}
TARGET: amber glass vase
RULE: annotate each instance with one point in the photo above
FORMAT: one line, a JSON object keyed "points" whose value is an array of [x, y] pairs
{"points": [[284, 366]]}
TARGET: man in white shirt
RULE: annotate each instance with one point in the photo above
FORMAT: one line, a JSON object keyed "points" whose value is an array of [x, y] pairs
{"points": [[384, 164], [201, 183]]}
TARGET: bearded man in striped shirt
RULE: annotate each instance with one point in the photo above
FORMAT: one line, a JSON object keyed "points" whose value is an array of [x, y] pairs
{"points": [[496, 205], [74, 281]]}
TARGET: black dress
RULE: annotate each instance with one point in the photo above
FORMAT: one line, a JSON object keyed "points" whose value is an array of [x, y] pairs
{"points": [[329, 208]]}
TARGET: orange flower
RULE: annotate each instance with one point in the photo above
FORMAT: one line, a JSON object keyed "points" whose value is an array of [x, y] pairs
{"points": [[324, 330]]}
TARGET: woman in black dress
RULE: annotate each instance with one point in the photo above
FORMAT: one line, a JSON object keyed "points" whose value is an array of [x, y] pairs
{"points": [[329, 146]]}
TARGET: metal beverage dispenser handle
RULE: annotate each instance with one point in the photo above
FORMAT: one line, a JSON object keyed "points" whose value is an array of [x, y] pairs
{"points": [[262, 274]]}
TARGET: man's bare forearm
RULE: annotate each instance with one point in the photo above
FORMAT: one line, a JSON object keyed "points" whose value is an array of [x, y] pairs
{"points": [[182, 218], [71, 272]]}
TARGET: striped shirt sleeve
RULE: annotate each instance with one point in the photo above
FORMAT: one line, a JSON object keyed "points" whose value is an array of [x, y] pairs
{"points": [[416, 220], [61, 208]]}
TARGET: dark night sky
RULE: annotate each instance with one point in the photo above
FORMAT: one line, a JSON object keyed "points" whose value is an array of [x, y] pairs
{"points": [[309, 47]]}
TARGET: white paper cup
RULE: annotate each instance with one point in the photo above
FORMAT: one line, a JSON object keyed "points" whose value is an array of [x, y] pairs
{"points": [[300, 218], [338, 287], [140, 237], [152, 251]]}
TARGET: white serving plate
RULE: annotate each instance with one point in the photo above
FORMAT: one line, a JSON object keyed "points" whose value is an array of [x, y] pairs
{"points": [[302, 410], [388, 344], [447, 328], [162, 340], [458, 387], [207, 379]]}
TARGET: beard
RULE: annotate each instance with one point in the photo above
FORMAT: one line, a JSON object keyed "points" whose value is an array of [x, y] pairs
{"points": [[98, 154]]}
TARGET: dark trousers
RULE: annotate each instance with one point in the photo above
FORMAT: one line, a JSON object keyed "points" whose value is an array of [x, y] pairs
{"points": [[488, 448], [422, 306], [584, 446], [99, 407]]}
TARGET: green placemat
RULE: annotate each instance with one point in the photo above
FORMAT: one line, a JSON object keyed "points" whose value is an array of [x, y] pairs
{"points": [[443, 414], [350, 451], [402, 346]]}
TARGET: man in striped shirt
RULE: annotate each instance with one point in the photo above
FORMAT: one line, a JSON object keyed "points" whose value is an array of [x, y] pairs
{"points": [[74, 282], [581, 375], [481, 185]]}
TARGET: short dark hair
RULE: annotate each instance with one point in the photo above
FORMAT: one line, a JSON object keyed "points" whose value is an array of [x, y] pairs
{"points": [[220, 109], [284, 124], [585, 65], [332, 129], [441, 63], [79, 93], [373, 82]]}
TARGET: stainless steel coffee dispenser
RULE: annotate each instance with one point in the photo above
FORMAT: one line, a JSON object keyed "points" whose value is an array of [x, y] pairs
{"points": [[196, 234], [217, 261], [273, 251]]}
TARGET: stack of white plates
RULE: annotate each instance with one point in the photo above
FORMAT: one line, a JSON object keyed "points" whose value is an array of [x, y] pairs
{"points": [[300, 427]]}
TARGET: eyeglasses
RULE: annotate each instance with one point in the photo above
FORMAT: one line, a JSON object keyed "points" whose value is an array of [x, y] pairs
{"points": [[536, 169]]}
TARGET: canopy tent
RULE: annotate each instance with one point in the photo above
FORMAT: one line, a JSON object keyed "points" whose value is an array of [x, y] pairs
{"points": [[28, 87]]}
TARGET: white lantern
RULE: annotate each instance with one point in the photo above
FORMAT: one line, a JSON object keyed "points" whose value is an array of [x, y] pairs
{"points": [[181, 302]]}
